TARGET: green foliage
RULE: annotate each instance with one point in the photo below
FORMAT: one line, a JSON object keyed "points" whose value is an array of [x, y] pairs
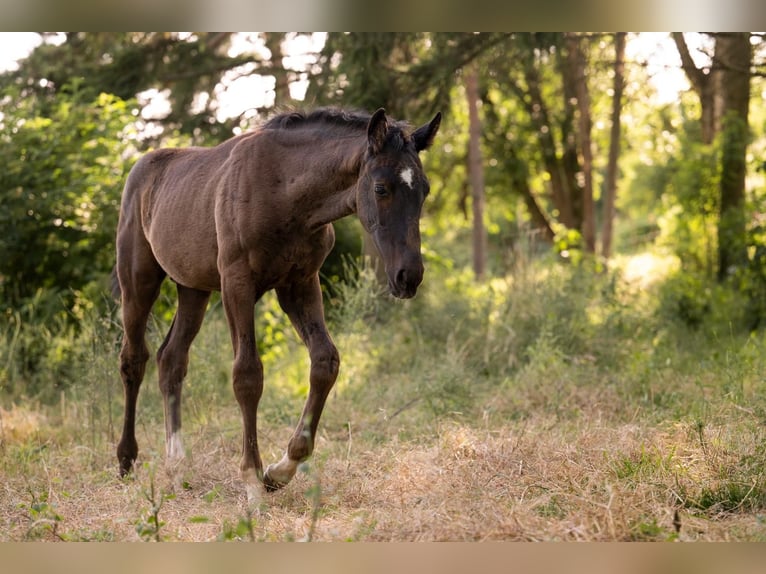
{"points": [[127, 64], [348, 245], [242, 530], [687, 298], [649, 530], [691, 205], [61, 183], [43, 352], [149, 524], [44, 520]]}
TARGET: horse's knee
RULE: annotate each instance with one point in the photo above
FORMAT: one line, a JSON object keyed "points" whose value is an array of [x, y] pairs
{"points": [[247, 379]]}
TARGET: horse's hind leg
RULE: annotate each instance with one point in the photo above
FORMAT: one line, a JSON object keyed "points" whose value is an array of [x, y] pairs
{"points": [[303, 304], [140, 279], [173, 359]]}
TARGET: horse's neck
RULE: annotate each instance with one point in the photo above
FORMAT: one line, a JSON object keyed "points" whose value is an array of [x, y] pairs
{"points": [[334, 174]]}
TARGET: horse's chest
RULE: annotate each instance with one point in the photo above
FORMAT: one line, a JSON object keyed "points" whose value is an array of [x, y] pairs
{"points": [[280, 258]]}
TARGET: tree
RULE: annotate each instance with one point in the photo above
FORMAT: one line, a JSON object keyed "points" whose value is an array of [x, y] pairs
{"points": [[561, 127], [367, 70], [575, 82], [59, 192], [610, 187], [706, 83], [536, 49], [724, 93], [186, 67], [734, 56], [274, 41], [476, 172]]}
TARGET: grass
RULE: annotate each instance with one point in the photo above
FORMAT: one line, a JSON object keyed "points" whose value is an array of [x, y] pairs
{"points": [[555, 405]]}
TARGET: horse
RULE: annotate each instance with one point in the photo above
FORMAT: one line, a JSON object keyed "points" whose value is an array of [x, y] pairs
{"points": [[249, 215]]}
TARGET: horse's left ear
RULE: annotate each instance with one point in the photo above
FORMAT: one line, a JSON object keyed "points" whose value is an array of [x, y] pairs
{"points": [[376, 131], [424, 135]]}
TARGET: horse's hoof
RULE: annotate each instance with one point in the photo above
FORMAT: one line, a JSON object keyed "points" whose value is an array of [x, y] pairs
{"points": [[126, 464], [270, 484]]}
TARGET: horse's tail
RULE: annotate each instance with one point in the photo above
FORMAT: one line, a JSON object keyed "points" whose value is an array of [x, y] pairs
{"points": [[115, 285]]}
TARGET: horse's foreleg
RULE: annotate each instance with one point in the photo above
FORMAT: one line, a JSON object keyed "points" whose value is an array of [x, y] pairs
{"points": [[247, 373], [173, 360], [303, 304]]}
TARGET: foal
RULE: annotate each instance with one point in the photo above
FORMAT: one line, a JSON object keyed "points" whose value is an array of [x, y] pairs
{"points": [[250, 215]]}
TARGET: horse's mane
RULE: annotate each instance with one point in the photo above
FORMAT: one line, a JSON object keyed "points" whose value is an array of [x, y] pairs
{"points": [[351, 119], [331, 116]]}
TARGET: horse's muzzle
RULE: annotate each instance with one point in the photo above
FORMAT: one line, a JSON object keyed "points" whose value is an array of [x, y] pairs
{"points": [[405, 282]]}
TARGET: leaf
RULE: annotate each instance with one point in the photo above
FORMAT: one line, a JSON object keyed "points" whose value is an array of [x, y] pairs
{"points": [[199, 520]]}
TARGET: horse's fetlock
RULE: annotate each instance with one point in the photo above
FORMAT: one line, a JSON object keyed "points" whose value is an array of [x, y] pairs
{"points": [[300, 447]]}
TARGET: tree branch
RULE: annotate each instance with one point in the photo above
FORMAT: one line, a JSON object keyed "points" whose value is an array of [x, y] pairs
{"points": [[696, 76]]}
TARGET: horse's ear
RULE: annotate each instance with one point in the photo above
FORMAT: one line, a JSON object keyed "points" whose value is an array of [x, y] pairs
{"points": [[424, 135], [376, 131]]}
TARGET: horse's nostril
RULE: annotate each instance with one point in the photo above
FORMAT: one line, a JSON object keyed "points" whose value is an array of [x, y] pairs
{"points": [[401, 277]]}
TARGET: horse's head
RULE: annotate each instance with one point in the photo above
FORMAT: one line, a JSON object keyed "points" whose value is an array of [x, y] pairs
{"points": [[390, 194]]}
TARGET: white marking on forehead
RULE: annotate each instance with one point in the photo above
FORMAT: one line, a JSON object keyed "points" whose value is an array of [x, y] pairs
{"points": [[406, 175]]}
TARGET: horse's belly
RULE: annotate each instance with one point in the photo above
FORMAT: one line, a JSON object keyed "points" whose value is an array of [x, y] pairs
{"points": [[188, 255]]}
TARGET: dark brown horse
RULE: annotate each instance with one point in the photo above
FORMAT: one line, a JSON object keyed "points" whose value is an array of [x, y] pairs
{"points": [[250, 215]]}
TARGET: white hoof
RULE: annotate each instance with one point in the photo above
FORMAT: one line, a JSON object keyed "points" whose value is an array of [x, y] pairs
{"points": [[279, 474], [254, 490]]}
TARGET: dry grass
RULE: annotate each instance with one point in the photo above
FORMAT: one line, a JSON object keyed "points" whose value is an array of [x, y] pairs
{"points": [[541, 479]]}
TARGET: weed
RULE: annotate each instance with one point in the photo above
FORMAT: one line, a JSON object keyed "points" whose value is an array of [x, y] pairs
{"points": [[553, 508], [44, 520], [244, 529], [314, 496], [649, 530], [730, 496], [149, 524]]}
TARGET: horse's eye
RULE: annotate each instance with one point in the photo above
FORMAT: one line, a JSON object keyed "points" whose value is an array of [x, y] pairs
{"points": [[380, 189]]}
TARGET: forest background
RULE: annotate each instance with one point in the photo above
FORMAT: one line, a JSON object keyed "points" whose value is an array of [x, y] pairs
{"points": [[587, 345]]}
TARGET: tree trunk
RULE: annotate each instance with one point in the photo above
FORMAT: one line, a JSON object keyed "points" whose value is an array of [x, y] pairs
{"points": [[538, 111], [576, 64], [506, 146], [273, 41], [733, 55], [476, 173], [610, 192], [705, 85], [520, 182], [570, 157]]}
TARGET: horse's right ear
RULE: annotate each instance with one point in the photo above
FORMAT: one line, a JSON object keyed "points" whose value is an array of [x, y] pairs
{"points": [[376, 131], [424, 135]]}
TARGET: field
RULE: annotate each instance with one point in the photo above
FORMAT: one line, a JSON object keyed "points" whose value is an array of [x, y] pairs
{"points": [[557, 404]]}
